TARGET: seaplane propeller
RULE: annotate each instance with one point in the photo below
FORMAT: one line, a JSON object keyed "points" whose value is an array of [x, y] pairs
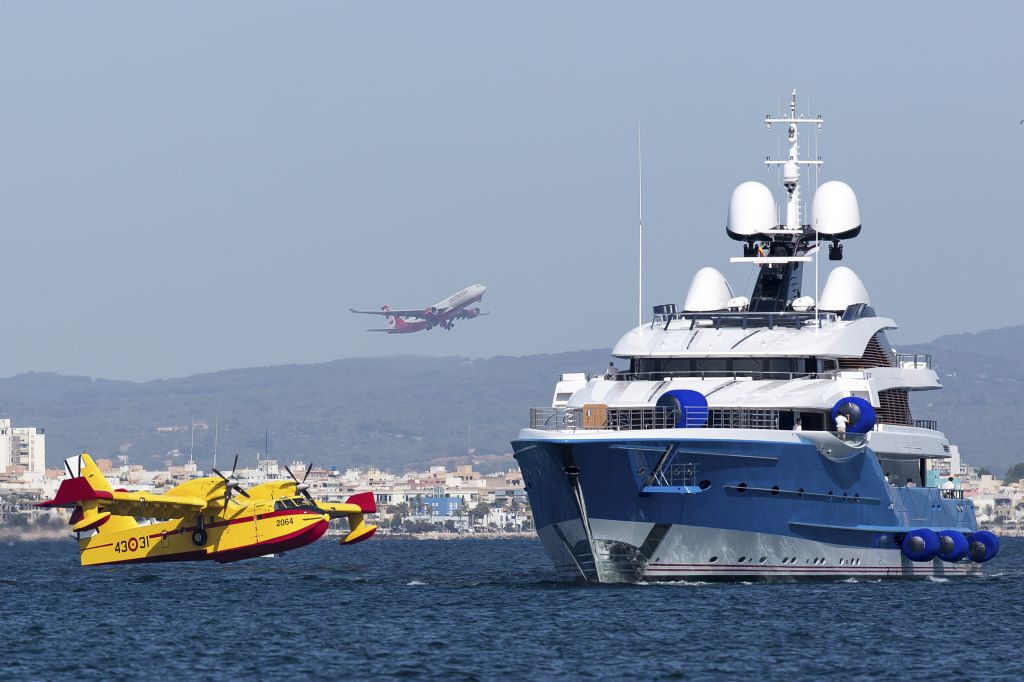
{"points": [[231, 483], [301, 486]]}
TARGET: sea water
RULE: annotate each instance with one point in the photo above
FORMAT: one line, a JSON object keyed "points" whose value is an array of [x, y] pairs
{"points": [[485, 609]]}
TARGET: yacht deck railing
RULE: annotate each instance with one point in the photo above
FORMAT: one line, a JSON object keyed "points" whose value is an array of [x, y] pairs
{"points": [[914, 360], [745, 319], [640, 418], [715, 374]]}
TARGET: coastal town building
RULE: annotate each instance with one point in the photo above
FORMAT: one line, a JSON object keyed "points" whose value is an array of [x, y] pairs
{"points": [[22, 450]]}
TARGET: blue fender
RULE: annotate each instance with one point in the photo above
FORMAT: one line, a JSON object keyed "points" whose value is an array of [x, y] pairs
{"points": [[859, 412], [953, 545], [983, 546], [691, 406], [920, 545]]}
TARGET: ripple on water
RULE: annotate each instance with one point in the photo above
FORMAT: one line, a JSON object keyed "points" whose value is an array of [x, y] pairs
{"points": [[494, 609]]}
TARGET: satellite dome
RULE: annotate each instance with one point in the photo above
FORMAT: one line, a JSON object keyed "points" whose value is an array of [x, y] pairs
{"points": [[752, 211], [804, 303], [835, 212], [738, 303], [708, 292], [842, 290]]}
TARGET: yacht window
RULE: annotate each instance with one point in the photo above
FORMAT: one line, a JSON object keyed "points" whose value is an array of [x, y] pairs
{"points": [[745, 366], [782, 367], [769, 368]]}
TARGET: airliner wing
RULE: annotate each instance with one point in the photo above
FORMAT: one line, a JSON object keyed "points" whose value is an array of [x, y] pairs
{"points": [[418, 313], [464, 314], [387, 331]]}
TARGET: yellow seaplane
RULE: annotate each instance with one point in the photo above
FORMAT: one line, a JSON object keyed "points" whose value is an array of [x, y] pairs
{"points": [[199, 519]]}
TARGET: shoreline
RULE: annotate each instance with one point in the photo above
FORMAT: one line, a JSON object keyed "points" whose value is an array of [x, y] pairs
{"points": [[435, 535]]}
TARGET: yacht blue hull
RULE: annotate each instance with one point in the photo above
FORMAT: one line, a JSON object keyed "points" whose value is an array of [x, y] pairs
{"points": [[675, 508]]}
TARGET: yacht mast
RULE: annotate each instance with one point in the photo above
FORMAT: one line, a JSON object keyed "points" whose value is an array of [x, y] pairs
{"points": [[791, 165], [786, 245]]}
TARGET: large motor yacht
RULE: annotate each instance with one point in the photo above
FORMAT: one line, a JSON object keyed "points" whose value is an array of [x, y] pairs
{"points": [[753, 437]]}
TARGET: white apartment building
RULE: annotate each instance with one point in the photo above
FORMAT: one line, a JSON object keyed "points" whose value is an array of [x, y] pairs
{"points": [[23, 446]]}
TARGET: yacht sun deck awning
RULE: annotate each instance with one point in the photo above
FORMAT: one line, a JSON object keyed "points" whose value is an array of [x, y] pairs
{"points": [[679, 340]]}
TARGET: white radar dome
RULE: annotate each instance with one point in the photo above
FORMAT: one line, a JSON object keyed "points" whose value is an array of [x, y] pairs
{"points": [[804, 303], [738, 303], [752, 211], [835, 212], [708, 292], [843, 289]]}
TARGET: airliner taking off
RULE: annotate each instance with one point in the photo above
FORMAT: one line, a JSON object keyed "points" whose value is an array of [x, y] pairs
{"points": [[442, 314]]}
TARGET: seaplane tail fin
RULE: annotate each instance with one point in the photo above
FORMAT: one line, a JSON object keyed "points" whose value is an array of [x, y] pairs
{"points": [[87, 469], [85, 492]]}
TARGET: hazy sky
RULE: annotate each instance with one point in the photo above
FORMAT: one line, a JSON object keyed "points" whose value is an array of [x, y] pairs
{"points": [[187, 187]]}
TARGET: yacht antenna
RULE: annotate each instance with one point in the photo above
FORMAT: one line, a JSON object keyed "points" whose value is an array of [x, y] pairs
{"points": [[216, 433], [640, 173], [817, 244]]}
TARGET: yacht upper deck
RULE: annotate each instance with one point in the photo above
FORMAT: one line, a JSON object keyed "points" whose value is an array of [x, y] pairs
{"points": [[725, 334]]}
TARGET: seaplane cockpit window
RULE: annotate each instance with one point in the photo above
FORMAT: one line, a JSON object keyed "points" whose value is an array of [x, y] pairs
{"points": [[291, 503]]}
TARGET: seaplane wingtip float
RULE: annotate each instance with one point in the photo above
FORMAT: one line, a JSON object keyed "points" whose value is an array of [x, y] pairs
{"points": [[442, 314], [201, 519]]}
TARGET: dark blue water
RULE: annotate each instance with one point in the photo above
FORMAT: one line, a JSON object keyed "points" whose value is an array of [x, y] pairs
{"points": [[478, 609]]}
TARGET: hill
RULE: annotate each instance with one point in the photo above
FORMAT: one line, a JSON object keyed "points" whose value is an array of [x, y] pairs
{"points": [[385, 411], [981, 405], [406, 410]]}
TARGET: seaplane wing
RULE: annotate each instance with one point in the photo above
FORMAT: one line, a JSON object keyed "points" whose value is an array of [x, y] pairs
{"points": [[143, 505], [74, 491], [94, 506]]}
